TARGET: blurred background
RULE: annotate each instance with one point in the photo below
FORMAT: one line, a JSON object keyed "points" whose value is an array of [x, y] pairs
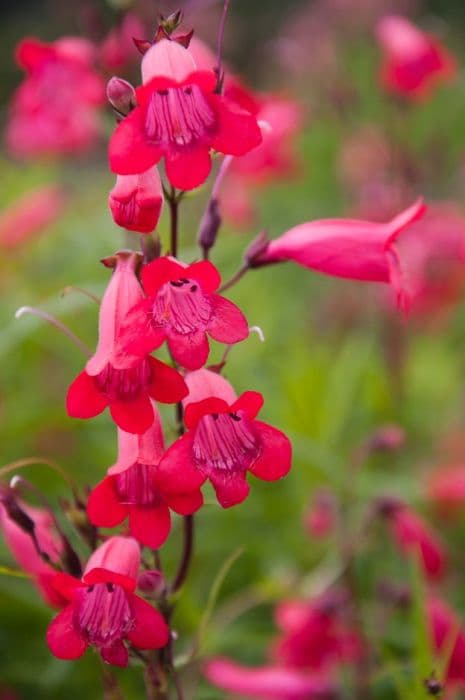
{"points": [[338, 362]]}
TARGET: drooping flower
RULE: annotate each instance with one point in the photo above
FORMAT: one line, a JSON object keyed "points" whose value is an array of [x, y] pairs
{"points": [[136, 201], [131, 490], [268, 682], [55, 109], [182, 308], [22, 547], [223, 442], [30, 215], [116, 379], [103, 610], [415, 537], [359, 250], [448, 636], [414, 62], [180, 118], [315, 634]]}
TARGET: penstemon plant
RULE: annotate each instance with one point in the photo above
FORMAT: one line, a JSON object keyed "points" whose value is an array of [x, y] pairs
{"points": [[191, 116]]}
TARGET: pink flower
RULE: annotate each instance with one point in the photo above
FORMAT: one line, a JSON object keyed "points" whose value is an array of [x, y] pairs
{"points": [[120, 381], [414, 536], [179, 118], [136, 201], [23, 550], [446, 630], [433, 258], [414, 62], [315, 634], [359, 250], [182, 308], [223, 442], [102, 609], [55, 110], [30, 215], [446, 487], [131, 490], [268, 682]]}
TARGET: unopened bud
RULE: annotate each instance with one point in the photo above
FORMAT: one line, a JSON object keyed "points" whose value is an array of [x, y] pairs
{"points": [[121, 95], [151, 582], [256, 249], [209, 225]]}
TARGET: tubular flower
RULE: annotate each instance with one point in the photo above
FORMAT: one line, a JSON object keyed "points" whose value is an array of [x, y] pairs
{"points": [[136, 201], [55, 110], [315, 634], [414, 536], [414, 62], [22, 547], [120, 381], [268, 682], [179, 117], [102, 609], [224, 442], [30, 215], [359, 250], [182, 308], [131, 490]]}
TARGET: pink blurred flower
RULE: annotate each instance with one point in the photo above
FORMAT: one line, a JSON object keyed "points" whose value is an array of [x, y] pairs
{"points": [[136, 201], [55, 110], [447, 630], [414, 537], [359, 250], [446, 487], [117, 50], [414, 62], [315, 635], [433, 258], [21, 546], [30, 215], [319, 520], [268, 682]]}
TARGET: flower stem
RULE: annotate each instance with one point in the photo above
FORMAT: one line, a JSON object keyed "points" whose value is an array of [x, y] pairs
{"points": [[219, 64], [234, 279], [186, 558], [173, 203]]}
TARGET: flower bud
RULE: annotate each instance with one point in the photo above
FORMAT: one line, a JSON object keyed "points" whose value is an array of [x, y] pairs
{"points": [[151, 582], [209, 226], [256, 249], [121, 95]]}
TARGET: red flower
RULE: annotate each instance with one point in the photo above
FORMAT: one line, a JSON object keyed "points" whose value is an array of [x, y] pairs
{"points": [[359, 250], [315, 634], [136, 201], [102, 609], [269, 682], [446, 630], [181, 307], [55, 108], [123, 382], [223, 443], [414, 536], [131, 490], [414, 62], [179, 117]]}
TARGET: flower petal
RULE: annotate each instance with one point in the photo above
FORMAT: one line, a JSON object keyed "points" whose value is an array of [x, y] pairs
{"points": [[150, 526], [103, 506], [151, 630], [62, 639], [187, 169], [116, 654], [250, 401], [205, 273], [275, 457], [238, 131], [129, 151], [185, 503], [190, 351], [177, 472], [84, 400], [159, 272], [134, 416], [227, 324], [167, 384], [231, 488]]}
